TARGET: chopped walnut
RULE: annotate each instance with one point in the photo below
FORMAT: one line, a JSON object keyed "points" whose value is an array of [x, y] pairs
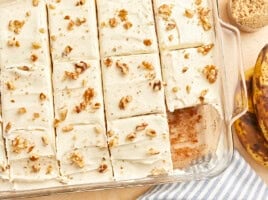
{"points": [[211, 73], [67, 17], [184, 69], [198, 2], [123, 67], [189, 13], [13, 43], [67, 50], [8, 127], [147, 66], [77, 159], [53, 38], [124, 102], [98, 129], [96, 106], [165, 11], [36, 115], [170, 37], [80, 21], [15, 26], [28, 14], [63, 114], [113, 142], [175, 89], [152, 151], [34, 57], [147, 42], [71, 75], [36, 45], [202, 95], [80, 3], [188, 89], [22, 111], [30, 149], [36, 168], [131, 136], [108, 62], [34, 157], [56, 123], [51, 6], [42, 96], [110, 133], [141, 127], [151, 133], [10, 86], [102, 168], [113, 22], [42, 30], [127, 25], [157, 85], [24, 68], [170, 26], [203, 14], [205, 49], [81, 67], [35, 3], [44, 140], [87, 98], [19, 144], [70, 25], [123, 14], [186, 56], [67, 128], [49, 169]]}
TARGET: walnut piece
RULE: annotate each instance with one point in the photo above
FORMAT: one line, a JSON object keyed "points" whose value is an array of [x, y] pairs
{"points": [[211, 73], [189, 13], [45, 140], [131, 136], [157, 85], [10, 86], [127, 25], [141, 127], [165, 11], [124, 101], [123, 67], [205, 49], [67, 128], [13, 43], [34, 157], [102, 168], [77, 159], [151, 133], [203, 14], [34, 57], [202, 95], [36, 168], [80, 3], [147, 42], [42, 96], [123, 14], [153, 151], [8, 127], [113, 22], [18, 144], [35, 3], [22, 110], [108, 62], [67, 50], [15, 26], [147, 66]]}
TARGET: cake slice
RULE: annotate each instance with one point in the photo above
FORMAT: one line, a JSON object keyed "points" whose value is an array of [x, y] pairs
{"points": [[192, 78], [132, 86], [73, 30], [141, 148], [126, 27], [184, 23], [26, 84], [23, 34]]}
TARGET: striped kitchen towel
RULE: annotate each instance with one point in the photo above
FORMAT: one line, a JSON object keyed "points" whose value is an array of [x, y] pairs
{"points": [[237, 182]]}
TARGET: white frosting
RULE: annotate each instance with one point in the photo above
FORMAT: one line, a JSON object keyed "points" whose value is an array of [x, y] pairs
{"points": [[131, 159], [30, 32], [28, 87], [188, 32], [4, 172], [82, 39], [173, 65], [121, 41], [135, 84]]}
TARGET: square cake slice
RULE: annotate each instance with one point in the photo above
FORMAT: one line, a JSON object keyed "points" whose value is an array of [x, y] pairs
{"points": [[126, 27], [132, 86], [23, 34], [73, 30], [184, 23], [192, 78], [139, 147]]}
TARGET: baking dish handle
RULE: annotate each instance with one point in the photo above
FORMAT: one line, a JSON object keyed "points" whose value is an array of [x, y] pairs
{"points": [[236, 100]]}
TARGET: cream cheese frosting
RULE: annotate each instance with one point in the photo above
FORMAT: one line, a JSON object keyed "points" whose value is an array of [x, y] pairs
{"points": [[73, 30], [132, 86], [192, 78], [26, 84], [126, 27], [23, 34], [141, 148], [184, 23]]}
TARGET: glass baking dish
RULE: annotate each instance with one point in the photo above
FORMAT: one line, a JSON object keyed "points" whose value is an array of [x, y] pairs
{"points": [[213, 123]]}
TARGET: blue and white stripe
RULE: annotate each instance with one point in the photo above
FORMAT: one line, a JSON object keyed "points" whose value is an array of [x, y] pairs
{"points": [[238, 182]]}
